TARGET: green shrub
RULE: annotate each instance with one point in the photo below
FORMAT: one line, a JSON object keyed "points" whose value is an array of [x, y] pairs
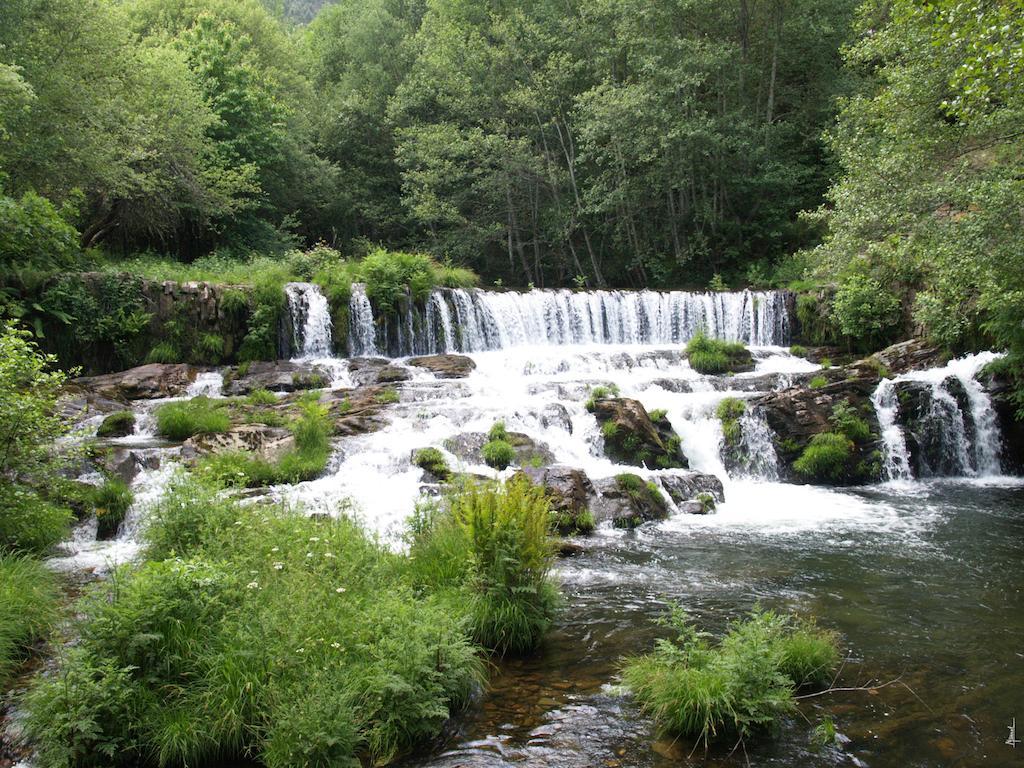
{"points": [[498, 453], [696, 690], [846, 421], [600, 392], [825, 457], [164, 352], [34, 235], [825, 363], [498, 431], [387, 396], [28, 608], [865, 311], [198, 416], [268, 306], [658, 414], [28, 521], [729, 412], [117, 424], [111, 502], [818, 382], [798, 351], [261, 397], [277, 638], [433, 461], [710, 356]]}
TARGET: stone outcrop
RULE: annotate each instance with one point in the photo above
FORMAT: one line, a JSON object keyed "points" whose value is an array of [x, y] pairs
{"points": [[570, 491], [269, 443], [146, 382], [1011, 428], [356, 411], [631, 437], [445, 366], [278, 376], [627, 500]]}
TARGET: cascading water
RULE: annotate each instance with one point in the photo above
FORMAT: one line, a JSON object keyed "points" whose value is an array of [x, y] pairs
{"points": [[455, 320], [948, 427], [311, 320], [760, 460]]}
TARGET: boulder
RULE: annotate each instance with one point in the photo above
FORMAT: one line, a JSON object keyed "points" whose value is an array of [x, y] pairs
{"points": [[126, 463], [277, 376], [686, 487], [911, 355], [627, 500], [445, 366], [146, 382], [631, 437], [270, 443], [1011, 428], [392, 374], [365, 371], [468, 447], [356, 411], [555, 415], [570, 491]]}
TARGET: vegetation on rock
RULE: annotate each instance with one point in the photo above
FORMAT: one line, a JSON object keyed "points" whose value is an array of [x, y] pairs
{"points": [[711, 356]]}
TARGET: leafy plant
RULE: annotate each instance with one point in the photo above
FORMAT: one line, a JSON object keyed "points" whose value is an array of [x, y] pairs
{"points": [[111, 502], [498, 453], [825, 457], [709, 356], [198, 416], [28, 608], [729, 411], [433, 461]]}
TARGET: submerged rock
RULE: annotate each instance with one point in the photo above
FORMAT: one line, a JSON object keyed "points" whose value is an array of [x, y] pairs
{"points": [[277, 376], [146, 382], [445, 366], [555, 415]]}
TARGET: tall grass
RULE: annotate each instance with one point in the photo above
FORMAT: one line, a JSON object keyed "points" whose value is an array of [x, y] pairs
{"points": [[253, 632], [185, 419], [696, 690], [709, 356], [28, 608]]}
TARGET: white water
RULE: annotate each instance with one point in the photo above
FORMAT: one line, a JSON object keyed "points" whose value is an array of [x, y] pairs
{"points": [[970, 440], [311, 320], [455, 320]]}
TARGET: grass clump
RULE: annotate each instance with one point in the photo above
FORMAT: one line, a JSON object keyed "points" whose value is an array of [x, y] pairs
{"points": [[729, 412], [825, 457], [710, 356], [111, 502], [489, 549], [600, 392], [498, 431], [818, 382], [261, 397], [433, 461], [498, 453], [28, 608], [117, 424], [198, 416], [253, 633], [846, 421], [694, 689], [386, 396], [798, 350]]}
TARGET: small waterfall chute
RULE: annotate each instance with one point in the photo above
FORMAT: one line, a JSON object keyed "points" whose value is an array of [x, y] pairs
{"points": [[895, 456], [759, 459], [362, 331], [311, 320]]}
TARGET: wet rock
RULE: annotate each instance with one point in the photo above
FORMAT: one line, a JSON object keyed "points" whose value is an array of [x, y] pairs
{"points": [[77, 403], [392, 374], [270, 443], [631, 437], [126, 463], [683, 488], [570, 491], [357, 411], [468, 447], [764, 383], [117, 424], [569, 549], [1011, 429], [680, 386], [445, 366], [277, 376], [627, 500], [365, 371], [146, 382], [555, 415], [911, 355]]}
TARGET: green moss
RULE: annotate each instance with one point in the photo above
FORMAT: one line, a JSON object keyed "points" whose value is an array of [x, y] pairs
{"points": [[117, 424], [387, 396], [433, 461], [729, 412], [710, 356], [707, 502]]}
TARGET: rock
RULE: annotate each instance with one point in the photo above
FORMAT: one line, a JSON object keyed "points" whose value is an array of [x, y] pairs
{"points": [[555, 415], [77, 403], [392, 374], [1011, 429], [911, 355], [270, 443], [683, 488], [146, 382], [468, 447], [570, 491], [445, 366], [356, 411], [117, 424], [365, 371], [126, 463], [569, 549], [277, 376], [631, 437], [627, 500]]}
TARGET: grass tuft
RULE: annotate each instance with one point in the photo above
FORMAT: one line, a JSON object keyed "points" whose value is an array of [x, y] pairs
{"points": [[198, 416]]}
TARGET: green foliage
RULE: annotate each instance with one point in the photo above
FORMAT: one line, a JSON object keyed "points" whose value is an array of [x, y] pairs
{"points": [[198, 416], [817, 325], [658, 414], [117, 424], [825, 457], [846, 421], [710, 356], [707, 502], [433, 461], [30, 423], [111, 502], [390, 276], [164, 352], [175, 664], [34, 235], [738, 688], [817, 382], [798, 351], [600, 392], [387, 396], [498, 453], [497, 431], [268, 306], [28, 608], [716, 283], [866, 312], [261, 397], [729, 412]]}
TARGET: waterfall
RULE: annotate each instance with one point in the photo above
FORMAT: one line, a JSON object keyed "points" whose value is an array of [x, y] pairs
{"points": [[362, 330], [895, 455], [759, 457], [456, 320], [311, 320], [947, 427]]}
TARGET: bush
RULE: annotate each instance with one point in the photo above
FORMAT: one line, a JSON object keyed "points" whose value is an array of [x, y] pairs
{"points": [[117, 424], [268, 306], [798, 351], [818, 382], [825, 457], [846, 421], [600, 392], [498, 431], [28, 608], [695, 690], [387, 396], [277, 638], [111, 502], [729, 412], [866, 312], [391, 275], [198, 416], [710, 356], [498, 454], [34, 235], [433, 461], [164, 352]]}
